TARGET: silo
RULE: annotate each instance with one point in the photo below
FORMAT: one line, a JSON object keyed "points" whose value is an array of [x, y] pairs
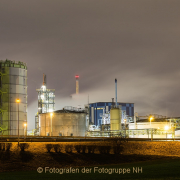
{"points": [[13, 86], [115, 119]]}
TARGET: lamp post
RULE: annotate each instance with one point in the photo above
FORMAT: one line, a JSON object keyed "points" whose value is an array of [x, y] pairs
{"points": [[125, 126], [51, 122], [151, 118], [18, 101], [166, 128]]}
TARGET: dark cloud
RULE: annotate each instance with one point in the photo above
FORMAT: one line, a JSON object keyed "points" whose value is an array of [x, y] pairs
{"points": [[135, 41]]}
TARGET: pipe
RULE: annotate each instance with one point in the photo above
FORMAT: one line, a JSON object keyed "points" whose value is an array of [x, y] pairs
{"points": [[116, 91], [113, 102], [44, 80]]}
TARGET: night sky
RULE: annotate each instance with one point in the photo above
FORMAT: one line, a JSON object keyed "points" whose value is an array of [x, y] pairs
{"points": [[135, 41]]}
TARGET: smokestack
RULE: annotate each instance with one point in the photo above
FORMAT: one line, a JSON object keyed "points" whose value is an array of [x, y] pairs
{"points": [[44, 80], [116, 91], [77, 84]]}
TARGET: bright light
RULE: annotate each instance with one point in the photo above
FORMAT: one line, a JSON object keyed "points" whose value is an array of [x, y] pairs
{"points": [[18, 100], [124, 120], [42, 96], [151, 118], [166, 128], [25, 124], [51, 114], [43, 87]]}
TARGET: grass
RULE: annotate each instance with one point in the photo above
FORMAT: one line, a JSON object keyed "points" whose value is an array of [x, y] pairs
{"points": [[22, 165], [156, 169]]}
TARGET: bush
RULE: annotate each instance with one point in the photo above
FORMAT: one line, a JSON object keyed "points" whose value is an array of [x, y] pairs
{"points": [[8, 146], [102, 149], [108, 149], [2, 146], [57, 148], [83, 149], [91, 149], [23, 146], [49, 147], [78, 148], [117, 149], [68, 148]]}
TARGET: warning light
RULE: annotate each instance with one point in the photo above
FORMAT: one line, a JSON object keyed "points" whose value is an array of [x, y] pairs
{"points": [[76, 76]]}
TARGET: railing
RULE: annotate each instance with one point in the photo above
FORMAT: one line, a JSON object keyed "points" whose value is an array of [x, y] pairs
{"points": [[134, 133]]}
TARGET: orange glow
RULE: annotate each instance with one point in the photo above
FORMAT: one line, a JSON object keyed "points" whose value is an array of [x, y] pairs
{"points": [[151, 118], [18, 100]]}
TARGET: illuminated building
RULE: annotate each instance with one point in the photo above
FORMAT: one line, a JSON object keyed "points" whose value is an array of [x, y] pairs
{"points": [[96, 111], [45, 101]]}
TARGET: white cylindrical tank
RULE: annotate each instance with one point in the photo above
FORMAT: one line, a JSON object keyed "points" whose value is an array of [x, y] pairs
{"points": [[115, 119]]}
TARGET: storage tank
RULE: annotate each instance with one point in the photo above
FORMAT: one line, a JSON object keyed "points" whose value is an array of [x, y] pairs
{"points": [[64, 123], [115, 119], [13, 86]]}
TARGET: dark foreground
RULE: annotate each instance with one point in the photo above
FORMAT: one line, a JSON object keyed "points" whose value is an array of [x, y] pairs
{"points": [[93, 160], [25, 165], [166, 168]]}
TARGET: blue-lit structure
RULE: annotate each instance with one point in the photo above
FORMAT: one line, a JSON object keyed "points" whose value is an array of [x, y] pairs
{"points": [[96, 110]]}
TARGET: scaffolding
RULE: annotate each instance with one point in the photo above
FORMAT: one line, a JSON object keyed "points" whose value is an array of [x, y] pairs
{"points": [[45, 101]]}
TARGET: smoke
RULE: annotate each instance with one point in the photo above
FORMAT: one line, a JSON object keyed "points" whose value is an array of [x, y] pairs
{"points": [[74, 100]]}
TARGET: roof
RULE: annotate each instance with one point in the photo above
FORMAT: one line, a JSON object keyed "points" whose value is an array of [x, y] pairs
{"points": [[66, 111], [112, 102], [16, 64], [154, 120]]}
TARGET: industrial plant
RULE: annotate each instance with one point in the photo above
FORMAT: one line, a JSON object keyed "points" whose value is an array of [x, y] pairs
{"points": [[96, 119]]}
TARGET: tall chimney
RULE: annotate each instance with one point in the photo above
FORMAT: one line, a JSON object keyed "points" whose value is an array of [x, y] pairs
{"points": [[116, 91], [77, 84]]}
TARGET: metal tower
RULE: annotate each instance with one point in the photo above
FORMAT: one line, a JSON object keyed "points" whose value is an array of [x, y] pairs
{"points": [[45, 101], [45, 98]]}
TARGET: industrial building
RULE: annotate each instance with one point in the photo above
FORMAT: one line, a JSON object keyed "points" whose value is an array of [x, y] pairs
{"points": [[160, 126], [45, 101], [96, 111], [107, 118], [13, 97], [71, 122]]}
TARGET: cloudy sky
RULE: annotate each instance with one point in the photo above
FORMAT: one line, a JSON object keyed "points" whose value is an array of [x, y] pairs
{"points": [[135, 41]]}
